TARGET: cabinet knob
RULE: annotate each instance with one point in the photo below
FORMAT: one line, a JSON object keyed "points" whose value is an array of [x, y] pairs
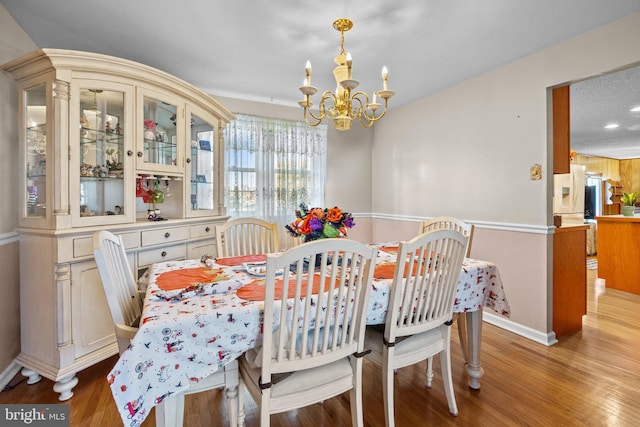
{"points": [[164, 254], [188, 160], [167, 235], [207, 229], [140, 154], [129, 153]]}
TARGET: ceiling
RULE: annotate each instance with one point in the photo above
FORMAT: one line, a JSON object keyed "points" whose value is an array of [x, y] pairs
{"points": [[604, 100], [257, 50]]}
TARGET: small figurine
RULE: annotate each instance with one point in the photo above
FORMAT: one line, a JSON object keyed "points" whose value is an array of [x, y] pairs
{"points": [[118, 129], [107, 127], [84, 122]]}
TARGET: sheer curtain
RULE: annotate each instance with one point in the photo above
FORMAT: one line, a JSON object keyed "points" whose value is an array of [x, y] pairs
{"points": [[273, 165]]}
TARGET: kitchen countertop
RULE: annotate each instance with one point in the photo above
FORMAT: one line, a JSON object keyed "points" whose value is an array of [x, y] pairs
{"points": [[635, 218]]}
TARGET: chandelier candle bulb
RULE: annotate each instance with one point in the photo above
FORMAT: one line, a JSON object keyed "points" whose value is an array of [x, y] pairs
{"points": [[349, 62], [307, 68], [373, 101], [385, 75]]}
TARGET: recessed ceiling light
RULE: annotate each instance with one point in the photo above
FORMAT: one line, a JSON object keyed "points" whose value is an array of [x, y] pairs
{"points": [[611, 126], [635, 109]]}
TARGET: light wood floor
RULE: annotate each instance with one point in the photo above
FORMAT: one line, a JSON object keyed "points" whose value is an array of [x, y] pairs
{"points": [[591, 378]]}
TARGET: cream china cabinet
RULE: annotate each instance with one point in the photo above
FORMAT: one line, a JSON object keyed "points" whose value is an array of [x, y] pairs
{"points": [[105, 143]]}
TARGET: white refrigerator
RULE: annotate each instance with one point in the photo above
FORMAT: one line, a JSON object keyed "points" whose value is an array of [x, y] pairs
{"points": [[568, 195]]}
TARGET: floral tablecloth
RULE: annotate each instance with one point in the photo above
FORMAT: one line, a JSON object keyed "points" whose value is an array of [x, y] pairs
{"points": [[186, 334]]}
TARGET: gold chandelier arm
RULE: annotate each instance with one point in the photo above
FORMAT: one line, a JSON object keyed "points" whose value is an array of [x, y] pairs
{"points": [[363, 112], [318, 120], [326, 95]]}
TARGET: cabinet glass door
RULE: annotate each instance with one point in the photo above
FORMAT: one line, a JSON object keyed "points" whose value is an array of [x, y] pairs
{"points": [[102, 152], [36, 152], [201, 165], [159, 135]]}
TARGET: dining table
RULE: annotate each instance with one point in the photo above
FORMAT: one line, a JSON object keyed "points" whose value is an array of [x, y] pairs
{"points": [[200, 314]]}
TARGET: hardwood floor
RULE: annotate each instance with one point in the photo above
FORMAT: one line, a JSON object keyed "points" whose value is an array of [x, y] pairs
{"points": [[590, 378]]}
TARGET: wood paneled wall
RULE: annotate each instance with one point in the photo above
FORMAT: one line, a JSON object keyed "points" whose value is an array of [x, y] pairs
{"points": [[609, 168], [630, 175]]}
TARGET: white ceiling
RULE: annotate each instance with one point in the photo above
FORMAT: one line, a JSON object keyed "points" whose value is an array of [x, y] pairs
{"points": [[257, 49], [604, 100]]}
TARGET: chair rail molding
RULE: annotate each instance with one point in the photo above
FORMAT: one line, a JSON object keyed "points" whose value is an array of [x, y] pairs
{"points": [[8, 238], [504, 226]]}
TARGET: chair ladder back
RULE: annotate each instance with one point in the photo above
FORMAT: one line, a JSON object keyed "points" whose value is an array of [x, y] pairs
{"points": [[451, 223], [425, 282], [329, 325], [247, 236], [117, 278]]}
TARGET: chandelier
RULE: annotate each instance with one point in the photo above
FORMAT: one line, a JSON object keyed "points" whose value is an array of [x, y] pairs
{"points": [[342, 105]]}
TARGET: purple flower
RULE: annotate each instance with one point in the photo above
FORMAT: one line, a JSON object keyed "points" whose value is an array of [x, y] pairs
{"points": [[348, 222], [315, 224]]}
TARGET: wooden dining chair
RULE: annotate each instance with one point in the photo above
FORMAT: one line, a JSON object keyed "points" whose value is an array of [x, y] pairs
{"points": [[420, 310], [125, 304], [448, 222], [324, 286], [246, 236]]}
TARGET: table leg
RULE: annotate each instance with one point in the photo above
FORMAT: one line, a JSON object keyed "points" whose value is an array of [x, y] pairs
{"points": [[473, 326]]}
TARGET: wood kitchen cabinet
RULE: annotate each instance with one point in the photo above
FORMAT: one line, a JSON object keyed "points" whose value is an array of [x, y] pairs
{"points": [[98, 133], [561, 129], [619, 252], [569, 278]]}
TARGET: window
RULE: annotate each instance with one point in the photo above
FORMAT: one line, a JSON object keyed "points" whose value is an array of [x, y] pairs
{"points": [[273, 165]]}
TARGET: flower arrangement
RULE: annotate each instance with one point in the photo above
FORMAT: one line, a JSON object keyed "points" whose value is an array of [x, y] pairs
{"points": [[319, 223]]}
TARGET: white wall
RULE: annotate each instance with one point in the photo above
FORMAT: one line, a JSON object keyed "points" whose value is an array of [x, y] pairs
{"points": [[466, 151]]}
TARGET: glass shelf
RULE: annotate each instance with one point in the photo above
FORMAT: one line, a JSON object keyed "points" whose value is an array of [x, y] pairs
{"points": [[36, 153], [102, 146], [160, 142], [202, 157]]}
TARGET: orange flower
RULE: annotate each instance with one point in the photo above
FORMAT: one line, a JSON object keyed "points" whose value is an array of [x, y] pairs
{"points": [[317, 212], [334, 214]]}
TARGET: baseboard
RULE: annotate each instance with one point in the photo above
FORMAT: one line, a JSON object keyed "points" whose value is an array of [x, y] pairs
{"points": [[547, 339], [8, 374]]}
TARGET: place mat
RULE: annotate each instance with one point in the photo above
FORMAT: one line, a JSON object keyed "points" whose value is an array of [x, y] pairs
{"points": [[181, 279], [392, 249], [387, 270], [239, 260], [255, 290]]}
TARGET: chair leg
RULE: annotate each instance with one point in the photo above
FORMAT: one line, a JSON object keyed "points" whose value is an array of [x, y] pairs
{"points": [[357, 417], [170, 412], [265, 408], [387, 388], [429, 374], [445, 363]]}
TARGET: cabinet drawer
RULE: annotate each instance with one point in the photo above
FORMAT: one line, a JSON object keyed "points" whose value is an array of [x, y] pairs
{"points": [[83, 246], [195, 250], [167, 253], [202, 230], [164, 235]]}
